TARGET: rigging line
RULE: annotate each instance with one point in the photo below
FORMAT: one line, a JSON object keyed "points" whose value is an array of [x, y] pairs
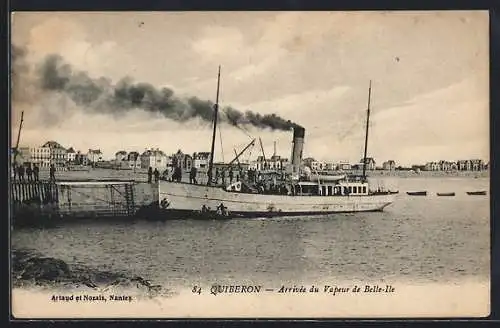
{"points": [[250, 154], [245, 131], [239, 127], [221, 148]]}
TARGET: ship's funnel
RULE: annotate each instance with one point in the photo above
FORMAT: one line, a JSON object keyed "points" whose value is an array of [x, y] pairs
{"points": [[298, 145]]}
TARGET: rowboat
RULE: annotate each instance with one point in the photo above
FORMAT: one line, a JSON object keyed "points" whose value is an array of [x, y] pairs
{"points": [[417, 193], [449, 194], [476, 193]]}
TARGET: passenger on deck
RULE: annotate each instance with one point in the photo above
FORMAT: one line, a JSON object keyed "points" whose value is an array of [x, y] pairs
{"points": [[20, 172], [209, 176], [14, 169], [164, 175], [260, 187], [231, 175], [36, 172], [178, 174], [52, 173], [29, 172], [192, 175], [150, 174], [157, 175]]}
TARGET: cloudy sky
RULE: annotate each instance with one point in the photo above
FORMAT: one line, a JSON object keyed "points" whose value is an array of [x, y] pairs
{"points": [[429, 71]]}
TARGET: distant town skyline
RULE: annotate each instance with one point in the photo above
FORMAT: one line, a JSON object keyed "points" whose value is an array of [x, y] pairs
{"points": [[125, 151], [430, 97]]}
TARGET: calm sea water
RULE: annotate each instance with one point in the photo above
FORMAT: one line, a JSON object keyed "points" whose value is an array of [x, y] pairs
{"points": [[418, 239]]}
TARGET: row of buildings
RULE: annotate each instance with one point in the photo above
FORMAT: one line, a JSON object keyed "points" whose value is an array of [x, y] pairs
{"points": [[155, 158], [460, 165], [346, 166], [52, 152]]}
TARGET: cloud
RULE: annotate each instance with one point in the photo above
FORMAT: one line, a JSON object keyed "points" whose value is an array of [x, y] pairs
{"points": [[216, 41], [444, 120], [65, 37]]}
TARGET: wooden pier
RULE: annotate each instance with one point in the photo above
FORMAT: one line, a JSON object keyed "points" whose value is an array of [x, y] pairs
{"points": [[84, 199]]}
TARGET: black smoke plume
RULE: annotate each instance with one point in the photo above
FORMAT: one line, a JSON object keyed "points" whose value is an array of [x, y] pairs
{"points": [[18, 68], [101, 95]]}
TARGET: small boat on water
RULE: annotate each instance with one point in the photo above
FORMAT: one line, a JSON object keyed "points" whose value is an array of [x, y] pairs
{"points": [[206, 214], [417, 193], [447, 194], [382, 192], [476, 193]]}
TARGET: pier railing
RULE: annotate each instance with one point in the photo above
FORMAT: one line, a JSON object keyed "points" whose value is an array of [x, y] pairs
{"points": [[33, 192]]}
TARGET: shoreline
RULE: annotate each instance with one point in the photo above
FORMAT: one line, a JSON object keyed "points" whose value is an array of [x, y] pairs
{"points": [[31, 269], [141, 175]]}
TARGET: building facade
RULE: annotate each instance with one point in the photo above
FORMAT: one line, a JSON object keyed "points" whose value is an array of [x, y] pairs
{"points": [[154, 158], [390, 165], [188, 162], [370, 163], [49, 153], [201, 159], [477, 165], [344, 166], [432, 166], [120, 156], [318, 166], [184, 161], [81, 159], [330, 166], [276, 162], [94, 156], [70, 155], [132, 160]]}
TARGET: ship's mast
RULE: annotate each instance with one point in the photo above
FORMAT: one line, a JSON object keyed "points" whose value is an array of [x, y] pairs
{"points": [[216, 112], [367, 125], [18, 136]]}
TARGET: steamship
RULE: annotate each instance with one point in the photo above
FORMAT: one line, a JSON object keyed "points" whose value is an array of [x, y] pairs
{"points": [[293, 192]]}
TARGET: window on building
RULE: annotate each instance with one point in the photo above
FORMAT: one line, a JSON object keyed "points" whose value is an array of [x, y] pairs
{"points": [[364, 190]]}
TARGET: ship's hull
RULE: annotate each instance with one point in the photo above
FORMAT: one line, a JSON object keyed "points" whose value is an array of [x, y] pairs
{"points": [[182, 198]]}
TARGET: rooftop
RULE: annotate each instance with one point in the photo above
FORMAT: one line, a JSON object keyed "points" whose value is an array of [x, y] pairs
{"points": [[153, 152], [52, 144]]}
